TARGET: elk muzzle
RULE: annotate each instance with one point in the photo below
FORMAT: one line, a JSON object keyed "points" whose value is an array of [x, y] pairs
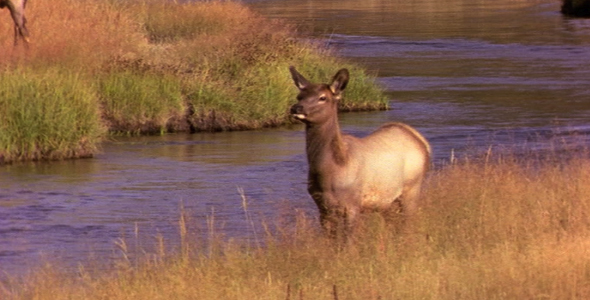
{"points": [[297, 111]]}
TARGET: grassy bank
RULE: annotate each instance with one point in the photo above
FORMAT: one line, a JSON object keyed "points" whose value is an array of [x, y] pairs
{"points": [[47, 115], [501, 229], [154, 67]]}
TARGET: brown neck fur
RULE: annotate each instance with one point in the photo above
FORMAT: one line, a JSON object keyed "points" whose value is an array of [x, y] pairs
{"points": [[325, 144]]}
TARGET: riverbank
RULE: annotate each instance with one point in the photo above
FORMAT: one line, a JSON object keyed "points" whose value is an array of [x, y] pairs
{"points": [[153, 67], [504, 227]]}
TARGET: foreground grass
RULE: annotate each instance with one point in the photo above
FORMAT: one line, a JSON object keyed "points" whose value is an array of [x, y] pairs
{"points": [[508, 229], [155, 66]]}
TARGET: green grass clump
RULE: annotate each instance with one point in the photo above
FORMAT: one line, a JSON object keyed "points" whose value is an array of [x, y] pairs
{"points": [[140, 102], [47, 116], [510, 228]]}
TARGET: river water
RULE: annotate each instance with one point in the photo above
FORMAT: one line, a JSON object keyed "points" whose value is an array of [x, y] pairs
{"points": [[469, 75]]}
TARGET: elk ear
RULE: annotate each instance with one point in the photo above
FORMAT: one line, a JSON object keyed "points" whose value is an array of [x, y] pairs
{"points": [[339, 81], [299, 80]]}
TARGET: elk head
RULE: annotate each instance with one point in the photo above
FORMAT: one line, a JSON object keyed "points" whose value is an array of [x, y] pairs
{"points": [[317, 103]]}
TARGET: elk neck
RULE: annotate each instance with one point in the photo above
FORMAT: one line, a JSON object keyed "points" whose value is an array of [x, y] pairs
{"points": [[325, 144]]}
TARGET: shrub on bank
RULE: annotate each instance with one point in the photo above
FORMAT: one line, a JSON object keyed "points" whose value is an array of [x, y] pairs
{"points": [[160, 66]]}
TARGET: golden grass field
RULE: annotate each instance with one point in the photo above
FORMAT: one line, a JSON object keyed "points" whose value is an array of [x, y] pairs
{"points": [[502, 228]]}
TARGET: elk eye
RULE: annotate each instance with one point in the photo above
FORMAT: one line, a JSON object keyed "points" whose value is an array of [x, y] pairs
{"points": [[322, 98]]}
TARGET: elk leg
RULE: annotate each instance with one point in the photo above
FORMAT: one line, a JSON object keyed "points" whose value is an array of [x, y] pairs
{"points": [[350, 221], [409, 208], [23, 31], [331, 223], [20, 28], [339, 224]]}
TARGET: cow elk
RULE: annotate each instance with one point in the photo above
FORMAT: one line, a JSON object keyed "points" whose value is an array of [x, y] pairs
{"points": [[347, 176]]}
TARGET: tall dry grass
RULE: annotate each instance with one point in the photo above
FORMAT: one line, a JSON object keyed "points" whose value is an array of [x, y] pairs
{"points": [[497, 229]]}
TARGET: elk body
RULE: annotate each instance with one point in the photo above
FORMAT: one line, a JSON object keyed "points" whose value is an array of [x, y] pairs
{"points": [[17, 12], [348, 175]]}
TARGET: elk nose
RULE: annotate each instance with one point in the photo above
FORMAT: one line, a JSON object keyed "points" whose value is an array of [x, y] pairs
{"points": [[296, 109]]}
